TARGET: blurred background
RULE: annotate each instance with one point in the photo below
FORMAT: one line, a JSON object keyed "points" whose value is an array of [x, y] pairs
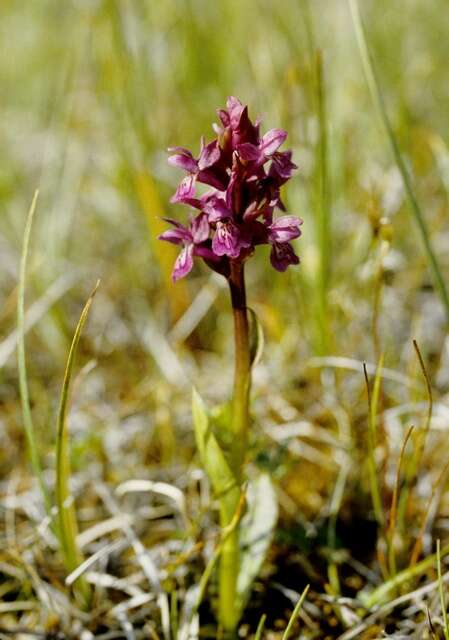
{"points": [[93, 93]]}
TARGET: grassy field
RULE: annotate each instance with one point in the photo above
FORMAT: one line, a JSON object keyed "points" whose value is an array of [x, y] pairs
{"points": [[356, 338]]}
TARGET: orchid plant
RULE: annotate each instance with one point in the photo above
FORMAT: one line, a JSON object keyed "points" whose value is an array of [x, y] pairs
{"points": [[244, 171]]}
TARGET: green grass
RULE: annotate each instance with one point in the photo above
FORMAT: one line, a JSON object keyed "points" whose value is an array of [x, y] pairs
{"points": [[67, 529], [33, 450]]}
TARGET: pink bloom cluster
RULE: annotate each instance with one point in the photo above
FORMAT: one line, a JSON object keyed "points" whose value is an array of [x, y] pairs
{"points": [[245, 172]]}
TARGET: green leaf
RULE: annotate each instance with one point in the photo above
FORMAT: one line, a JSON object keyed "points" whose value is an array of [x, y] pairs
{"points": [[213, 459], [220, 417], [256, 338], [256, 533]]}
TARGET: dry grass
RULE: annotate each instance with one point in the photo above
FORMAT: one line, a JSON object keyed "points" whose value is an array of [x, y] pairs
{"points": [[95, 92]]}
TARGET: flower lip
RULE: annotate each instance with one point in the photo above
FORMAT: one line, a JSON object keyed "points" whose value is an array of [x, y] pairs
{"points": [[228, 240], [282, 256], [183, 264]]}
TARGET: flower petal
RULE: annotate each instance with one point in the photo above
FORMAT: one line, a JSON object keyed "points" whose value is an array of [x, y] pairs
{"points": [[216, 209], [235, 109], [199, 227], [183, 162], [285, 228], [224, 117], [185, 190], [272, 140], [175, 236], [282, 166], [210, 154], [250, 152], [233, 187], [179, 235], [178, 149]]}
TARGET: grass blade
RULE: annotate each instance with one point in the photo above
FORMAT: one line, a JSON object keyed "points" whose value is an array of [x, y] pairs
{"points": [[441, 592], [425, 431], [21, 360], [67, 524], [380, 594], [420, 441], [260, 627], [394, 507], [378, 99], [439, 483], [295, 614]]}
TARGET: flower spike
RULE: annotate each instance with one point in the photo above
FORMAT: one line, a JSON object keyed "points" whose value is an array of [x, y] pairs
{"points": [[245, 172]]}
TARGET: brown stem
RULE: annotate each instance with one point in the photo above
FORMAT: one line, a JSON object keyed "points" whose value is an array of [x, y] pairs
{"points": [[242, 373]]}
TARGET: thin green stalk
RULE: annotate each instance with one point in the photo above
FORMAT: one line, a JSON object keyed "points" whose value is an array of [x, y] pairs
{"points": [[425, 432], [323, 208], [230, 554], [67, 523], [441, 592], [225, 533], [21, 361], [378, 99], [174, 613], [372, 437], [394, 508], [378, 293], [228, 613], [321, 191], [420, 440]]}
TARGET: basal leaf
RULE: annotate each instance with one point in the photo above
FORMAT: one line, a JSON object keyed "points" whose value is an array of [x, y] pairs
{"points": [[213, 459], [256, 533]]}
